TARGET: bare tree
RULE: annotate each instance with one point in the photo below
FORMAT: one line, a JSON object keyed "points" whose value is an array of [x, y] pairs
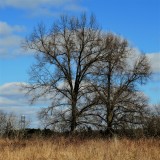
{"points": [[151, 126], [3, 120], [8, 123], [92, 78], [65, 55], [117, 78]]}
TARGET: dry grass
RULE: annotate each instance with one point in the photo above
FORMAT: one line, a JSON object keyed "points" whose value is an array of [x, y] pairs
{"points": [[68, 149]]}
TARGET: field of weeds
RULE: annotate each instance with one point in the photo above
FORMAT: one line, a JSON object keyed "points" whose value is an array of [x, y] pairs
{"points": [[74, 149]]}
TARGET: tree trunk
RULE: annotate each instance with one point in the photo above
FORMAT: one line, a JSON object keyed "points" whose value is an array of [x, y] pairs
{"points": [[73, 118], [109, 129], [109, 115]]}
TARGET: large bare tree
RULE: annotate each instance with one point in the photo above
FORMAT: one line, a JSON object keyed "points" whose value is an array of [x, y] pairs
{"points": [[92, 78], [117, 78], [65, 54]]}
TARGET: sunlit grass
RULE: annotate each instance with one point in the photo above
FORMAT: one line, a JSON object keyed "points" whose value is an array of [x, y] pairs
{"points": [[73, 149]]}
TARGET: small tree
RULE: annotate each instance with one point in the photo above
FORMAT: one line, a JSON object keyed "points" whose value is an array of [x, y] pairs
{"points": [[3, 120], [8, 123], [151, 126]]}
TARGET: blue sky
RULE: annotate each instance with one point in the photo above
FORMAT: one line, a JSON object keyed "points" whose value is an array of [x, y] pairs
{"points": [[136, 20]]}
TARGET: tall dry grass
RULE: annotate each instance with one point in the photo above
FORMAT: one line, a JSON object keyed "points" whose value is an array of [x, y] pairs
{"points": [[73, 149]]}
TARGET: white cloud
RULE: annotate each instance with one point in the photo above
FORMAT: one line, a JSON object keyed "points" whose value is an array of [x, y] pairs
{"points": [[10, 40], [31, 3], [6, 29], [45, 7], [10, 46], [13, 100], [5, 101], [11, 88], [74, 7], [14, 94], [154, 59], [11, 94]]}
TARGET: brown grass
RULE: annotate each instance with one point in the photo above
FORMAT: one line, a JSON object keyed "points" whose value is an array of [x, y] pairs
{"points": [[72, 149]]}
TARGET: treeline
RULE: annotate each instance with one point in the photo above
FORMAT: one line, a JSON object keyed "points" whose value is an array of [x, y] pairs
{"points": [[150, 128]]}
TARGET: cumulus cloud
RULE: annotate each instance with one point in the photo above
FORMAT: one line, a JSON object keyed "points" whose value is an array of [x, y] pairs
{"points": [[13, 100], [37, 7], [10, 40], [13, 88], [11, 94], [10, 46], [154, 59], [74, 7], [14, 94], [31, 3], [6, 29]]}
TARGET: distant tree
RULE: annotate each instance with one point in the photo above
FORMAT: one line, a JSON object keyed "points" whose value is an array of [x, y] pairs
{"points": [[151, 126], [65, 55], [8, 123], [117, 78], [3, 120]]}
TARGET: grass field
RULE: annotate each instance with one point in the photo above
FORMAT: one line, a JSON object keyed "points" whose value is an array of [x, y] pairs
{"points": [[73, 149]]}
